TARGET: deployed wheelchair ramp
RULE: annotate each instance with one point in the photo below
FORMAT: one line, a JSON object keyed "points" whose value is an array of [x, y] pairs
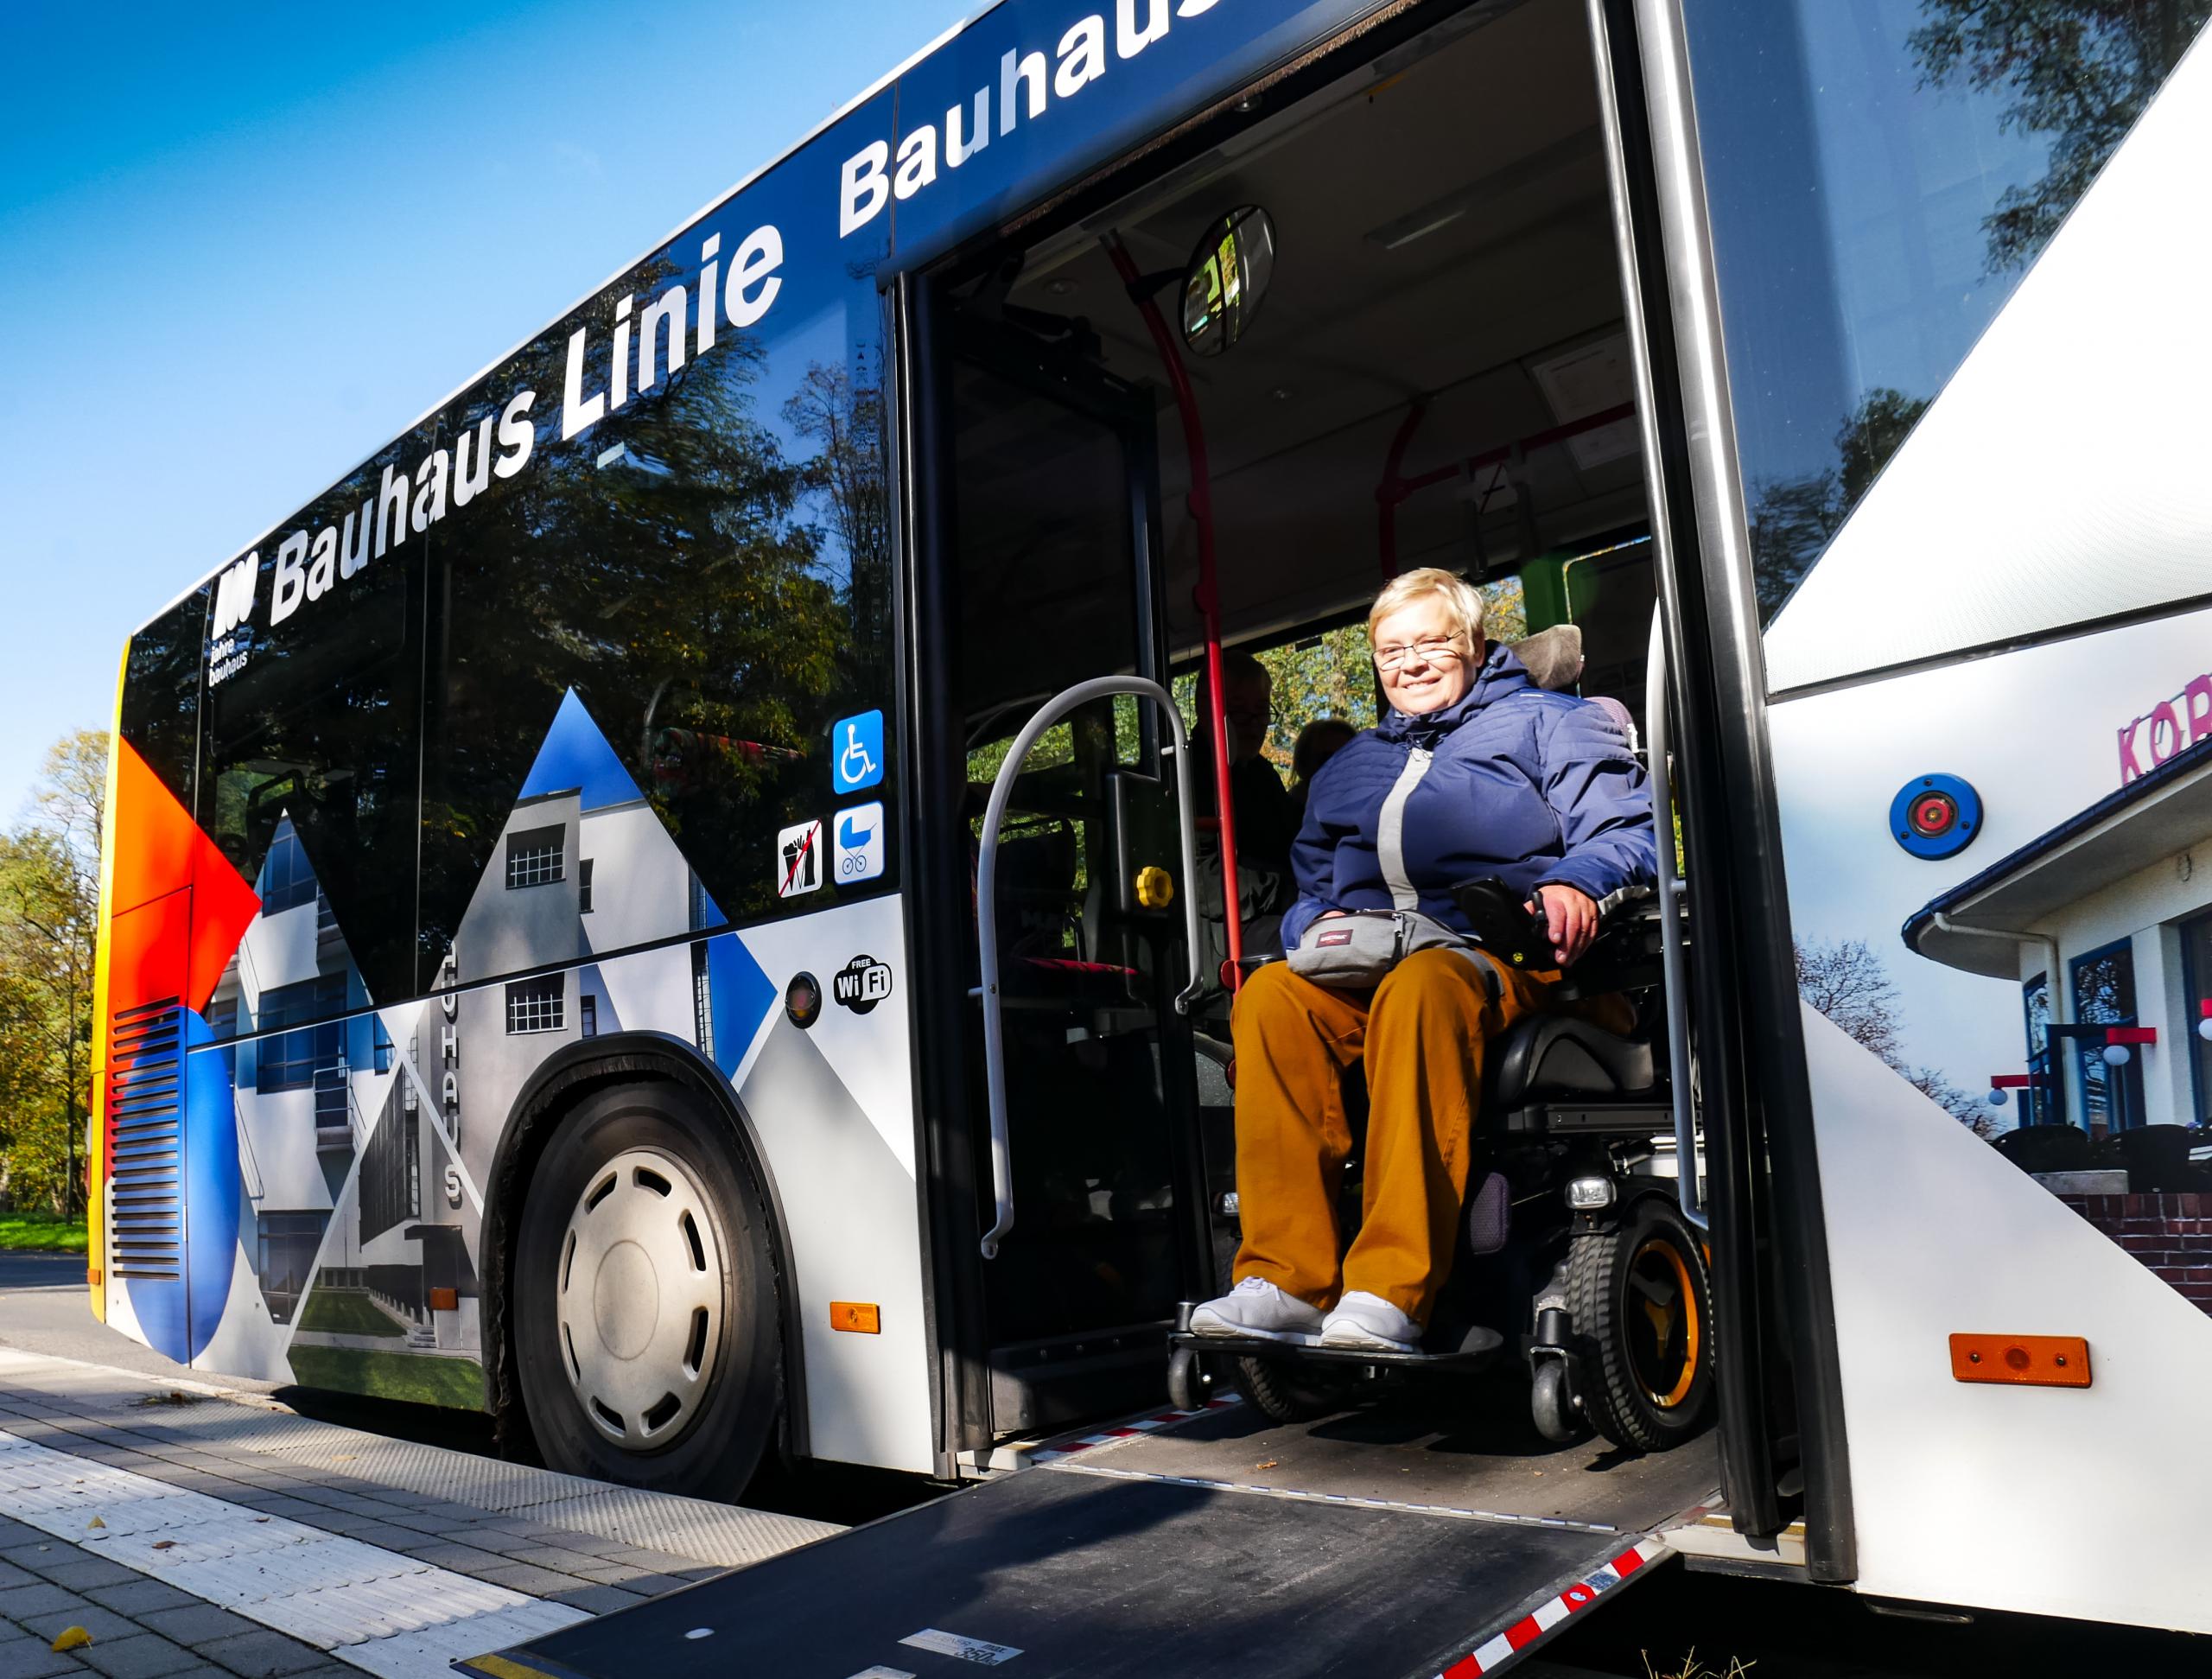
{"points": [[1381, 1543]]}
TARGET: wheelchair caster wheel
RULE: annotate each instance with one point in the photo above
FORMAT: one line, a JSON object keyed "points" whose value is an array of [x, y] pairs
{"points": [[1551, 1403], [1190, 1383]]}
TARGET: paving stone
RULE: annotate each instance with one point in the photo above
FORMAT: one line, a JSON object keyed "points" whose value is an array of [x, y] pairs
{"points": [[533, 1581], [39, 1557], [660, 1585], [382, 1534], [30, 1658], [139, 1596], [144, 1657], [100, 1623], [262, 1655], [81, 1573], [11, 1576], [19, 1603], [597, 1599], [196, 1624]]}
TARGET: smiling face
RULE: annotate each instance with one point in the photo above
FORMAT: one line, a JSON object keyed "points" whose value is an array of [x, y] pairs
{"points": [[1423, 657]]}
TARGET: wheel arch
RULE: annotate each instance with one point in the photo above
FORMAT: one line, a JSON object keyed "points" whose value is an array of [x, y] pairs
{"points": [[567, 1077]]}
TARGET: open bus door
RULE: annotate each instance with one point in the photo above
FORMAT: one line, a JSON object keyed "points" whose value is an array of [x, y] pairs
{"points": [[1037, 537]]}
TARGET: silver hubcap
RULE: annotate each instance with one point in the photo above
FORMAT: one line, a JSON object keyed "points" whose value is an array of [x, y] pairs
{"points": [[640, 1298]]}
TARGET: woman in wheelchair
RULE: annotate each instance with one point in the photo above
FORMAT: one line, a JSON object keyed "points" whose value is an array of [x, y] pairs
{"points": [[1474, 770]]}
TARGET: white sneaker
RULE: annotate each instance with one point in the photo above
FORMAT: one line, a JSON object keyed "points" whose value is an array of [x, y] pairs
{"points": [[1256, 1307], [1370, 1323]]}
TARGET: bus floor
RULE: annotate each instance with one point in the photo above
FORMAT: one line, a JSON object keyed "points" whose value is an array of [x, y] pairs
{"points": [[1434, 1534]]}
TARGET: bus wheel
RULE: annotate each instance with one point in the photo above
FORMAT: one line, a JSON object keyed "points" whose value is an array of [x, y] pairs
{"points": [[1644, 1324], [646, 1340]]}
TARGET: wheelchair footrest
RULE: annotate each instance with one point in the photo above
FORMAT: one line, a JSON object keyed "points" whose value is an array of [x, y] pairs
{"points": [[1476, 1348]]}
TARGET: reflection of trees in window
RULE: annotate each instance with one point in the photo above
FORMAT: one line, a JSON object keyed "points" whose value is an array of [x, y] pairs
{"points": [[2080, 71], [160, 712], [661, 565], [1793, 519], [1847, 981]]}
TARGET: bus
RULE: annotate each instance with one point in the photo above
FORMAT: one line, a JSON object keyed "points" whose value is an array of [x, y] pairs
{"points": [[678, 902]]}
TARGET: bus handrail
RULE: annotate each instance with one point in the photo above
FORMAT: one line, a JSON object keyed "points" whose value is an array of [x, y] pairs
{"points": [[986, 919], [1673, 970]]}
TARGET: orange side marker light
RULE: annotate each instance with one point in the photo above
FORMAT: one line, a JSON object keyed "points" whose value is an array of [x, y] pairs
{"points": [[2022, 1361], [857, 1317]]}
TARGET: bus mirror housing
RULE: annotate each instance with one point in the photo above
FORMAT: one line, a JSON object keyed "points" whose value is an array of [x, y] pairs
{"points": [[1227, 278]]}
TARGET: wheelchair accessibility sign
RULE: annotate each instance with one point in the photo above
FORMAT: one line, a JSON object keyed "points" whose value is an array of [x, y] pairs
{"points": [[858, 848], [857, 751]]}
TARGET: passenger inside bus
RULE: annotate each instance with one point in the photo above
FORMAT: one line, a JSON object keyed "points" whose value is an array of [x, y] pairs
{"points": [[1434, 374], [1474, 770]]}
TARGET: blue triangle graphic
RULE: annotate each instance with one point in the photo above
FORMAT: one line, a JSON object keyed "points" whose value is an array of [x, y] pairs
{"points": [[575, 754]]}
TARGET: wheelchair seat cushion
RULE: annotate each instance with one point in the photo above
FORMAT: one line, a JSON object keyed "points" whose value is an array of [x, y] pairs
{"points": [[1566, 1055]]}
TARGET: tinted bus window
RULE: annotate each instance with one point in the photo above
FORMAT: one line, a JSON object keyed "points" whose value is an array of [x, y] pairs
{"points": [[161, 695], [670, 598], [1881, 177], [314, 716]]}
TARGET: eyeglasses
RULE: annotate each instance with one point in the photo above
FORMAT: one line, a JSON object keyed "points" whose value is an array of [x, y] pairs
{"points": [[1431, 650]]}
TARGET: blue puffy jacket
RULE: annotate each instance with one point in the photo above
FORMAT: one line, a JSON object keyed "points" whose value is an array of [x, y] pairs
{"points": [[1534, 787]]}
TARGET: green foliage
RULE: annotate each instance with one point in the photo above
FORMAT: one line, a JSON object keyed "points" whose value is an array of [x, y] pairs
{"points": [[347, 1312], [38, 1233], [420, 1378], [49, 915]]}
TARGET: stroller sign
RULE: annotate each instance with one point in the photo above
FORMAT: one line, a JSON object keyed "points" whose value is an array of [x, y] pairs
{"points": [[857, 748]]}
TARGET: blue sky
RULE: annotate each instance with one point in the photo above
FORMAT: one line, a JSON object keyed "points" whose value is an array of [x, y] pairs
{"points": [[241, 247]]}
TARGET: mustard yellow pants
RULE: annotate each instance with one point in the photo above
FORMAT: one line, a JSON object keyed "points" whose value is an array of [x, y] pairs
{"points": [[1421, 1034]]}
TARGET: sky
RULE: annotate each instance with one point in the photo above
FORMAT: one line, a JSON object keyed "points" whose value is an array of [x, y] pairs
{"points": [[241, 247]]}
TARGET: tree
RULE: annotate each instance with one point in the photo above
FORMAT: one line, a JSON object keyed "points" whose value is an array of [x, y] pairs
{"points": [[2080, 71], [50, 915], [1847, 981], [1793, 519]]}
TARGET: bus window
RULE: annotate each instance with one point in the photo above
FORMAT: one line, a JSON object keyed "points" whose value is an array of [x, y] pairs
{"points": [[313, 722], [160, 711], [673, 608], [1882, 179]]}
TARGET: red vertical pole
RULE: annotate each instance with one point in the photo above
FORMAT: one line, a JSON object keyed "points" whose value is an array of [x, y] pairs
{"points": [[1206, 596]]}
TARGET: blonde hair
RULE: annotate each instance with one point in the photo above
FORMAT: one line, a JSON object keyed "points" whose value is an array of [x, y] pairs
{"points": [[1462, 601]]}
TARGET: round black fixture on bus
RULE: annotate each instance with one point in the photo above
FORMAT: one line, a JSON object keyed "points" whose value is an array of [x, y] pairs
{"points": [[803, 999], [1227, 278], [1935, 816]]}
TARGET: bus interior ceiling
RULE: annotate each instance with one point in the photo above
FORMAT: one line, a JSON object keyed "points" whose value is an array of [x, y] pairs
{"points": [[1444, 251]]}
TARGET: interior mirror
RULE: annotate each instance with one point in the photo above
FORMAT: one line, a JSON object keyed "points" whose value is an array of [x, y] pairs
{"points": [[1227, 278]]}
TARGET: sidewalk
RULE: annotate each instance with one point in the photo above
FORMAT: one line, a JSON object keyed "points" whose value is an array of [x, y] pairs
{"points": [[194, 1533]]}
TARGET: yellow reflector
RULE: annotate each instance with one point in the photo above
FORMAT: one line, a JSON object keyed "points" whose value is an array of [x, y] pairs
{"points": [[1155, 887], [857, 1317]]}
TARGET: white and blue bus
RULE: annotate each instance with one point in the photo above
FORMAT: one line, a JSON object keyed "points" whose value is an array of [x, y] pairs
{"points": [[675, 902]]}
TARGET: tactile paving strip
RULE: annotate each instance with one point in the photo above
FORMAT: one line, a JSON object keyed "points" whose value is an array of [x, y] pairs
{"points": [[387, 1613], [722, 1535]]}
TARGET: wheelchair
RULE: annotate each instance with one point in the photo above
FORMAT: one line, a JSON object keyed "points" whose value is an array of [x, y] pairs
{"points": [[1572, 1257]]}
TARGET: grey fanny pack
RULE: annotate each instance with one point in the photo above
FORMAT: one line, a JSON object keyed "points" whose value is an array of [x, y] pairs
{"points": [[1353, 951]]}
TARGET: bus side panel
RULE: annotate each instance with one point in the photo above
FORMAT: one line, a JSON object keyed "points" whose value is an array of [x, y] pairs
{"points": [[2000, 872]]}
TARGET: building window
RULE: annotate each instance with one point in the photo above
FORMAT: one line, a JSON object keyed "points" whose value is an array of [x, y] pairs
{"points": [[2043, 1102], [2196, 985], [534, 857], [286, 881], [289, 1061], [536, 1005], [583, 885], [2104, 995], [588, 1015]]}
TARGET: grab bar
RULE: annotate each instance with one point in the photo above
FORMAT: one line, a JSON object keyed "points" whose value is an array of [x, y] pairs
{"points": [[986, 916], [1672, 968]]}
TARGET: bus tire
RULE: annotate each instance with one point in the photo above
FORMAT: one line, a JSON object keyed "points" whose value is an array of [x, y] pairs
{"points": [[1644, 1324], [647, 1342]]}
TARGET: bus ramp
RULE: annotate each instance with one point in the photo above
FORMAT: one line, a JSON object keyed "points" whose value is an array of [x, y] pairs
{"points": [[1213, 1542]]}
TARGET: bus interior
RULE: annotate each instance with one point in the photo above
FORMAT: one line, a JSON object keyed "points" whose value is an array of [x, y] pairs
{"points": [[1437, 374]]}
